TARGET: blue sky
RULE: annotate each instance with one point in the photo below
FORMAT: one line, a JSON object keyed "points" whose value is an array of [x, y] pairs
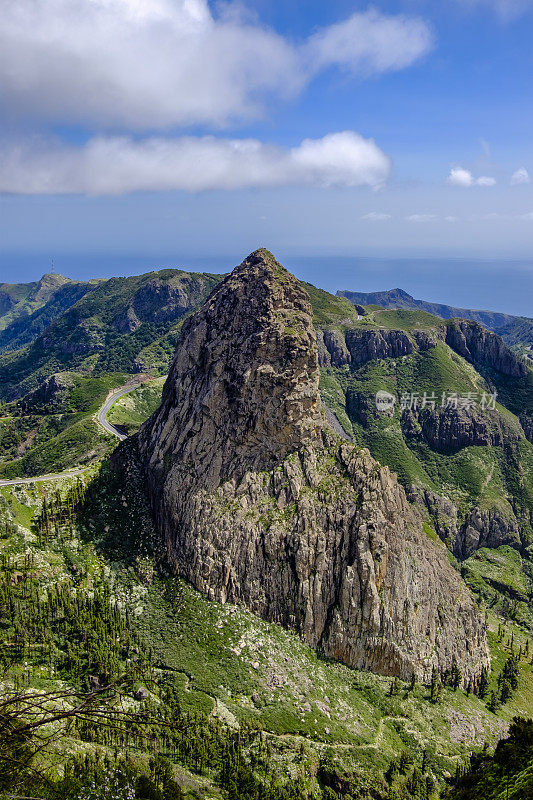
{"points": [[141, 132]]}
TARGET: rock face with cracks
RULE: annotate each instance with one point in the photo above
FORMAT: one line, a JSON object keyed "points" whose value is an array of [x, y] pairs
{"points": [[260, 502]]}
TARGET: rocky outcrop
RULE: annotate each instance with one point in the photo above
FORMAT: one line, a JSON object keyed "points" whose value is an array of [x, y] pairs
{"points": [[260, 502], [50, 395], [162, 301], [480, 527], [450, 429], [486, 528], [471, 340], [332, 348], [526, 421], [359, 345], [483, 348]]}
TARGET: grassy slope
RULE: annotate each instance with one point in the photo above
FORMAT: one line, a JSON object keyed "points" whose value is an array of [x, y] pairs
{"points": [[26, 298], [42, 440], [487, 477], [229, 663], [87, 337], [131, 410], [471, 474]]}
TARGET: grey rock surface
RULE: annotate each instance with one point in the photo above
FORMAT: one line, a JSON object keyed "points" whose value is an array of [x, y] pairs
{"points": [[260, 502]]}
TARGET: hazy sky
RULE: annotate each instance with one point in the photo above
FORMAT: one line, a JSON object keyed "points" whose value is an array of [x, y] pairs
{"points": [[181, 129]]}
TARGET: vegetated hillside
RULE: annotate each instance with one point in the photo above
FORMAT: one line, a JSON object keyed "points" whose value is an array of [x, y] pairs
{"points": [[185, 697], [30, 322], [470, 467], [506, 773], [26, 309], [123, 324], [517, 332], [52, 428], [235, 706]]}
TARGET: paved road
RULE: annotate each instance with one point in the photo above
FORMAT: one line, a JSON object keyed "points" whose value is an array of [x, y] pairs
{"points": [[101, 418], [105, 409], [52, 477]]}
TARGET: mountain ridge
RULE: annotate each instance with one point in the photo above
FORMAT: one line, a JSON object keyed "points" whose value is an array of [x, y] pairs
{"points": [[514, 329]]}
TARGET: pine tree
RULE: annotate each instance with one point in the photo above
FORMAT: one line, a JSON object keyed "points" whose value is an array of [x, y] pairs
{"points": [[483, 683], [493, 704]]}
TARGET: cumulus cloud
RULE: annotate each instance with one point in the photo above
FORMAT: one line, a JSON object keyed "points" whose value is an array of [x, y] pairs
{"points": [[463, 177], [376, 216], [118, 165], [421, 218], [154, 64], [370, 42], [520, 176], [460, 177]]}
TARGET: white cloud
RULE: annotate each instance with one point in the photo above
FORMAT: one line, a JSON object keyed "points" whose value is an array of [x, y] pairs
{"points": [[370, 42], [507, 9], [421, 218], [528, 216], [118, 165], [459, 176], [451, 218], [485, 180], [376, 216], [154, 64], [520, 176]]}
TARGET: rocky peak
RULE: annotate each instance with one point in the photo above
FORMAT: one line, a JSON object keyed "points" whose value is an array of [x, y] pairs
{"points": [[260, 502], [242, 392]]}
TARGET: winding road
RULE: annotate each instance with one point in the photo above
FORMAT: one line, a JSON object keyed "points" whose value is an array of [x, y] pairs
{"points": [[101, 416], [101, 419]]}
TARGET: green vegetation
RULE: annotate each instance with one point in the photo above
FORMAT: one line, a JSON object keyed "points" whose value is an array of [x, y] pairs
{"points": [[51, 431], [404, 319], [328, 309], [82, 597], [506, 774], [111, 326], [131, 410]]}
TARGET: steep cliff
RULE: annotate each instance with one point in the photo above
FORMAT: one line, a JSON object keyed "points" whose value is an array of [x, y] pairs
{"points": [[483, 348], [260, 502]]}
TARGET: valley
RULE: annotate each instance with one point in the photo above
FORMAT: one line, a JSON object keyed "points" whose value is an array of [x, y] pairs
{"points": [[268, 694]]}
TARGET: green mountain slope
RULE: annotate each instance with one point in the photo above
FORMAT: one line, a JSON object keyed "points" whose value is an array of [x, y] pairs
{"points": [[517, 332], [237, 679], [123, 324], [237, 707], [469, 468]]}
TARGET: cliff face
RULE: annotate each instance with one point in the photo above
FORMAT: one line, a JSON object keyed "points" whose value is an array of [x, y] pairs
{"points": [[162, 301], [450, 429], [476, 344], [483, 348], [357, 346], [480, 527], [260, 502]]}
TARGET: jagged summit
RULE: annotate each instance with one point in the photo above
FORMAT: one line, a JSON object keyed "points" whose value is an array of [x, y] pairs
{"points": [[260, 502], [242, 392]]}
